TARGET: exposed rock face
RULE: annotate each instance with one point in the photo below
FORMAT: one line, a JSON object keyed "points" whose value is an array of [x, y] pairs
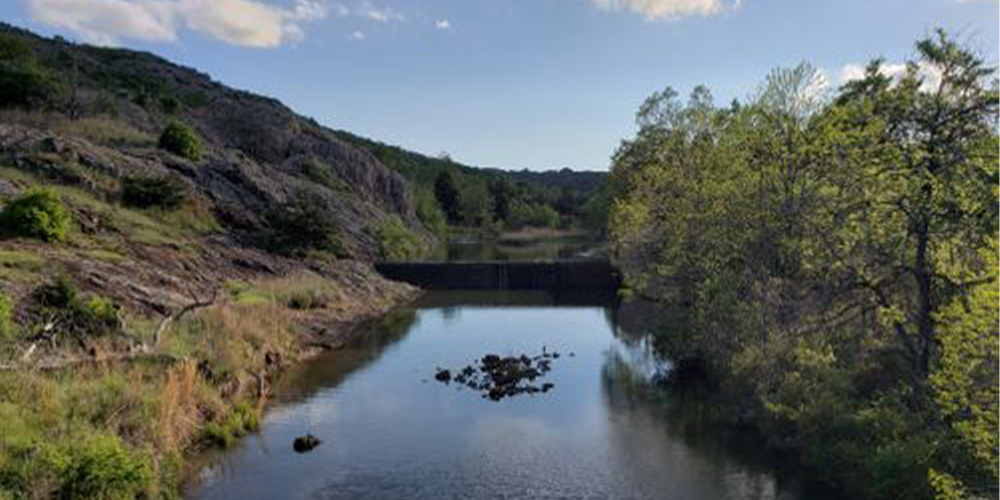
{"points": [[258, 153]]}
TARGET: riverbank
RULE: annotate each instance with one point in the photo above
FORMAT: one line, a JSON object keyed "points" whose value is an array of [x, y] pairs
{"points": [[108, 425]]}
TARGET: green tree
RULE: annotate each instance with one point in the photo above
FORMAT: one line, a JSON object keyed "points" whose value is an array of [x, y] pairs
{"points": [[929, 179], [448, 196], [23, 82]]}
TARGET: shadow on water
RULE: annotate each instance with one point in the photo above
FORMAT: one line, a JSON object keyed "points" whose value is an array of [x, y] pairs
{"points": [[330, 368]]}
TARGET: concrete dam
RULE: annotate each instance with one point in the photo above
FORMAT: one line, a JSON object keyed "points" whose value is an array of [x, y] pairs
{"points": [[559, 275]]}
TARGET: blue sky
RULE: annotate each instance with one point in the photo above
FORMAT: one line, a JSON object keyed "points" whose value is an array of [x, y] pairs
{"points": [[504, 83]]}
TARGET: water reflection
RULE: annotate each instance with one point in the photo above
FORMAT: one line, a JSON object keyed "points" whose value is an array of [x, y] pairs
{"points": [[390, 432]]}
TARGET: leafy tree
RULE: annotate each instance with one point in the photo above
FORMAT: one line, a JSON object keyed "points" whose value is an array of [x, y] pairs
{"points": [[930, 177], [502, 191], [448, 197], [839, 258], [23, 82]]}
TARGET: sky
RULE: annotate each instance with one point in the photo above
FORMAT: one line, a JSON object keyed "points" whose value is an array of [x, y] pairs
{"points": [[513, 84]]}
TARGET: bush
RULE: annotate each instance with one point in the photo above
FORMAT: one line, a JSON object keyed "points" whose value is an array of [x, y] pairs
{"points": [[167, 192], [38, 213], [102, 468], [179, 139], [61, 299], [304, 224], [397, 242]]}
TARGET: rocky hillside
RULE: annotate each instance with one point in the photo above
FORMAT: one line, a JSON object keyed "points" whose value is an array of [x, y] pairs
{"points": [[173, 187], [102, 110]]}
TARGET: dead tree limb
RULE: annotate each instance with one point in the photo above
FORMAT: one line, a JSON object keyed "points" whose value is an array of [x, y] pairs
{"points": [[196, 304]]}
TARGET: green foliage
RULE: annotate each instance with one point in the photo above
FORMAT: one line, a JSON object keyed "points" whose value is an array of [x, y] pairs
{"points": [[397, 242], [304, 224], [38, 213], [839, 255], [429, 212], [23, 82], [241, 420], [181, 140], [479, 197], [61, 301], [524, 214], [964, 383], [7, 327], [165, 192], [103, 469], [447, 195]]}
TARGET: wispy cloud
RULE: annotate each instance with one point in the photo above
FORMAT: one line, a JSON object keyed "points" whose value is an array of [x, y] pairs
{"points": [[442, 24], [248, 23], [930, 75], [655, 10], [358, 35], [380, 14]]}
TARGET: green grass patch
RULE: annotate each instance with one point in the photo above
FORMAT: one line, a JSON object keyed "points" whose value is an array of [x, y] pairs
{"points": [[241, 420], [20, 266]]}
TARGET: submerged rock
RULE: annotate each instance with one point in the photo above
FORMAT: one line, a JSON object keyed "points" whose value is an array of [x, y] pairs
{"points": [[305, 443]]}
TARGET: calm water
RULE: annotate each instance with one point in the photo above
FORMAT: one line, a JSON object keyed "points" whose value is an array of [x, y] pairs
{"points": [[391, 432]]}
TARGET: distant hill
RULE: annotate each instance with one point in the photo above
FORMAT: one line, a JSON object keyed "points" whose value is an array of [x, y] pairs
{"points": [[584, 181], [511, 197]]}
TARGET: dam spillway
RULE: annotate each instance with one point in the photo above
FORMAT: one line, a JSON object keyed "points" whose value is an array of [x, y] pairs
{"points": [[557, 275]]}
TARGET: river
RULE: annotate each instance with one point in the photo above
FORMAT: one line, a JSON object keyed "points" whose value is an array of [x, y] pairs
{"points": [[390, 431]]}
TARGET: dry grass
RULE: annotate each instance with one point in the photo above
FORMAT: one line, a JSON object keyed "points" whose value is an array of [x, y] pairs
{"points": [[178, 416]]}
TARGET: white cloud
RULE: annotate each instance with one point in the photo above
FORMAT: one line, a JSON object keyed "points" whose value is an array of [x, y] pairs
{"points": [[655, 10], [248, 23], [358, 36], [931, 75], [442, 24], [382, 15]]}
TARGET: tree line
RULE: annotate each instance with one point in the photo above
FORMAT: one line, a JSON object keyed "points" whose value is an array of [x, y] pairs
{"points": [[449, 193], [838, 251]]}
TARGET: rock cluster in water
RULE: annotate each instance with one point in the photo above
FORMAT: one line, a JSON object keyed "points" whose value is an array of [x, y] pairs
{"points": [[503, 377], [303, 444]]}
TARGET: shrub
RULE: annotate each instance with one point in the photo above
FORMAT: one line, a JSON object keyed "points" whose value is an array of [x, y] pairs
{"points": [[397, 242], [102, 468], [179, 139], [38, 213], [166, 192], [60, 293], [61, 299], [240, 421], [304, 224]]}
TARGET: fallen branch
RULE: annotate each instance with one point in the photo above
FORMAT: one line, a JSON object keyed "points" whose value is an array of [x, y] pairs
{"points": [[167, 321]]}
